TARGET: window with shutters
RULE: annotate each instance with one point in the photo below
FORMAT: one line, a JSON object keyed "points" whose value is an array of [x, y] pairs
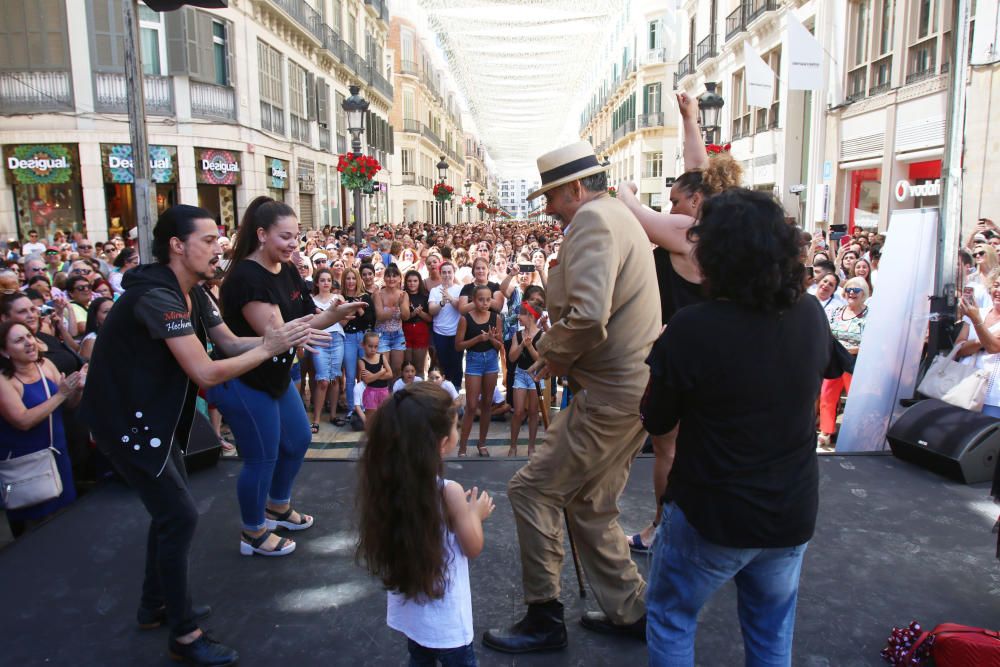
{"points": [[651, 98], [352, 29], [338, 16], [407, 161], [341, 115], [654, 35], [740, 110], [107, 27], [928, 39], [153, 41], [652, 165], [220, 50], [767, 118], [272, 88], [869, 48], [33, 36], [297, 107]]}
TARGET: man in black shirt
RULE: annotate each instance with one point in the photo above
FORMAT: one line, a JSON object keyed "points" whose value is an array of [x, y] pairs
{"points": [[743, 490], [139, 402]]}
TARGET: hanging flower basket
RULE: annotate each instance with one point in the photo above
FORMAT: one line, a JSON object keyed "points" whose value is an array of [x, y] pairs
{"points": [[357, 171], [481, 206], [613, 192], [443, 192], [468, 202]]}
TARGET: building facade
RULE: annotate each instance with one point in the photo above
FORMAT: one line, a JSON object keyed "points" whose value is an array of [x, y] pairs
{"points": [[428, 128], [631, 119], [514, 196], [240, 102]]}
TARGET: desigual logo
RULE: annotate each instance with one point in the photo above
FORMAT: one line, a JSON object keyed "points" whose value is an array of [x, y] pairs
{"points": [[116, 162], [38, 164], [279, 172], [221, 167]]}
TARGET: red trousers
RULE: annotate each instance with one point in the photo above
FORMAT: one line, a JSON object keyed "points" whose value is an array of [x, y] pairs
{"points": [[829, 400]]}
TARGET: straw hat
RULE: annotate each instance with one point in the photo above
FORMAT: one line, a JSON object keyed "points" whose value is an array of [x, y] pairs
{"points": [[567, 164]]}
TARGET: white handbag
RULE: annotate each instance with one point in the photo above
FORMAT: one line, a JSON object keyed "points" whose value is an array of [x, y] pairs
{"points": [[958, 384]]}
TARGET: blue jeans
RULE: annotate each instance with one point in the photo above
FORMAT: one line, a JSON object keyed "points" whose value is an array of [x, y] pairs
{"points": [[272, 436], [328, 360], [449, 358], [463, 656], [353, 350], [481, 363], [687, 569]]}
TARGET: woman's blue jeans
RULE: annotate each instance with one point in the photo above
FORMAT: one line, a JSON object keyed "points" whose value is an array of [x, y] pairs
{"points": [[272, 436], [687, 569], [353, 350]]}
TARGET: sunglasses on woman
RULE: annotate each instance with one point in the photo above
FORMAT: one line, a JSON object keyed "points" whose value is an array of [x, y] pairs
{"points": [[979, 254], [853, 290]]}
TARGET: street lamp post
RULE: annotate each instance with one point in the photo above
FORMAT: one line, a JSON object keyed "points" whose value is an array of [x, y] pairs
{"points": [[442, 168], [710, 108], [468, 193], [482, 200], [355, 106]]}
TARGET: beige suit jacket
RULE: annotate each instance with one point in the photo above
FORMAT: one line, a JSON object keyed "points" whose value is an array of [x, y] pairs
{"points": [[603, 301]]}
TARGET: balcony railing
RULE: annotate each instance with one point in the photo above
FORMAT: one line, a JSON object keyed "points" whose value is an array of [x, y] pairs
{"points": [[35, 91], [685, 66], [304, 15], [879, 89], [651, 119], [409, 178], [754, 8], [656, 56], [409, 67], [410, 125], [380, 83], [299, 127], [333, 43], [706, 49], [111, 93], [213, 102], [735, 22]]}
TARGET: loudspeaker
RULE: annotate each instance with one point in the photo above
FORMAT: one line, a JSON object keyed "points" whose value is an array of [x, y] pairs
{"points": [[204, 449], [950, 441]]}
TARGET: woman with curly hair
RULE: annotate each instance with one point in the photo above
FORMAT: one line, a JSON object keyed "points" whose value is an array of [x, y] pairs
{"points": [[744, 486], [677, 270], [417, 530]]}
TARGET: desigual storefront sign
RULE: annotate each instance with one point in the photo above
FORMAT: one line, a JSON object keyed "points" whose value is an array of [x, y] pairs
{"points": [[215, 166], [277, 173], [118, 165], [904, 190], [40, 164]]}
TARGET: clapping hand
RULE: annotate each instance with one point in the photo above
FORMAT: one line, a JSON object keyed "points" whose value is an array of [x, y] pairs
{"points": [[481, 504]]}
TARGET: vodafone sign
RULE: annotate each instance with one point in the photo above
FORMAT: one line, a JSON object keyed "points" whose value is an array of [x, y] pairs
{"points": [[904, 190]]}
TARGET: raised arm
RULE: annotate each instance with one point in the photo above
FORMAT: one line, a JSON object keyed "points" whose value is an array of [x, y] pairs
{"points": [[695, 156]]}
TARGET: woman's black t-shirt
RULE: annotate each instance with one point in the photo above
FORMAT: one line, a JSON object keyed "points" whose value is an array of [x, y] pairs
{"points": [[364, 321], [675, 291], [470, 290], [524, 361], [417, 300], [473, 329], [65, 360], [249, 281]]}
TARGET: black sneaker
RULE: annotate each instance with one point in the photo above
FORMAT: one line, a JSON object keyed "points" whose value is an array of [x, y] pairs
{"points": [[202, 651], [150, 619]]}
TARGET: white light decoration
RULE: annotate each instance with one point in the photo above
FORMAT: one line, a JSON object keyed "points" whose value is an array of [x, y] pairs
{"points": [[522, 66]]}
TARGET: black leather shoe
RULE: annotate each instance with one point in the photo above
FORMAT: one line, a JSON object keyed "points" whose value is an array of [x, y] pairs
{"points": [[202, 651], [150, 619], [597, 621], [541, 629]]}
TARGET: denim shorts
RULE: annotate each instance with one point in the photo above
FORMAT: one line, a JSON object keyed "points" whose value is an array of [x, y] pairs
{"points": [[523, 380], [481, 363], [328, 361], [391, 340]]}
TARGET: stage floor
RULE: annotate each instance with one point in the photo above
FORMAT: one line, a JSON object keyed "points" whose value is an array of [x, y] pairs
{"points": [[894, 543]]}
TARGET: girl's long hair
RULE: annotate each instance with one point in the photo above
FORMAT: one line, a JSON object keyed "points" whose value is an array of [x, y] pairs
{"points": [[400, 507]]}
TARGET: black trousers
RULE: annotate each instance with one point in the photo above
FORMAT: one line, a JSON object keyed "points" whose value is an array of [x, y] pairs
{"points": [[173, 517]]}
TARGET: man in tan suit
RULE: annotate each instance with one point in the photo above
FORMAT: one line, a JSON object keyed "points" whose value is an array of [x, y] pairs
{"points": [[604, 305]]}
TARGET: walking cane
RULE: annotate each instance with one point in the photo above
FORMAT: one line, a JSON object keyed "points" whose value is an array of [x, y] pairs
{"points": [[543, 398]]}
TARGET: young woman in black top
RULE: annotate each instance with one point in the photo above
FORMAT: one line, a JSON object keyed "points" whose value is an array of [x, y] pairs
{"points": [[263, 288], [480, 278], [416, 327], [524, 388], [479, 336], [353, 291]]}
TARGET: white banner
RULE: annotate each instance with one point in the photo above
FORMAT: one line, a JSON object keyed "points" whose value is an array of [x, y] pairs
{"points": [[886, 369], [984, 40], [805, 57], [759, 79]]}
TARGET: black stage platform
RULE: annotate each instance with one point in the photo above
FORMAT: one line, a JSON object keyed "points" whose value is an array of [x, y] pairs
{"points": [[894, 543]]}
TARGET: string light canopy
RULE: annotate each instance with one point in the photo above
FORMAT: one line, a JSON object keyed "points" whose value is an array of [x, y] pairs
{"points": [[521, 65]]}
